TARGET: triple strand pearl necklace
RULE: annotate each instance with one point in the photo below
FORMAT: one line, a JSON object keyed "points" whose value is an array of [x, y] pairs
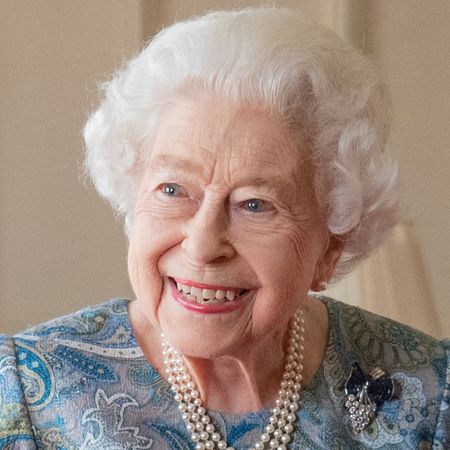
{"points": [[277, 433]]}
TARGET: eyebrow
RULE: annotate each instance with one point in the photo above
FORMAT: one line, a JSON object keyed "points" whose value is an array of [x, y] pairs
{"points": [[274, 182], [169, 162]]}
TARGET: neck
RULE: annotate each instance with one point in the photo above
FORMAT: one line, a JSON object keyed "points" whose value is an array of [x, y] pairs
{"points": [[242, 382]]}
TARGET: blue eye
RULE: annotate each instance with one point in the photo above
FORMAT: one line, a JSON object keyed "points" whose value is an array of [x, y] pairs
{"points": [[172, 190], [255, 205]]}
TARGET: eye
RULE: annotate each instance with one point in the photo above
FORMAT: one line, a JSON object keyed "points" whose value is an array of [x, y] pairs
{"points": [[256, 205], [172, 190]]}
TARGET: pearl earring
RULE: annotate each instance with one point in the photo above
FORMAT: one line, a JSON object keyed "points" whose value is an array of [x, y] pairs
{"points": [[323, 285]]}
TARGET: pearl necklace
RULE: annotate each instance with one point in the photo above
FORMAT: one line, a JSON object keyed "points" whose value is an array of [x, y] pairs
{"points": [[281, 423]]}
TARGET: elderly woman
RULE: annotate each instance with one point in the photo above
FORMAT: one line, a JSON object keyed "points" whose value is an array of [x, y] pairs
{"points": [[245, 150]]}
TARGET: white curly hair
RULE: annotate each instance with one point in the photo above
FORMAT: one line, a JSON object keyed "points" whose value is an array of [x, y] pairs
{"points": [[321, 86]]}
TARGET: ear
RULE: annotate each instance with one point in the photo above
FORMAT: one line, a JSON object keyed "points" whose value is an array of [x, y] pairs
{"points": [[326, 265]]}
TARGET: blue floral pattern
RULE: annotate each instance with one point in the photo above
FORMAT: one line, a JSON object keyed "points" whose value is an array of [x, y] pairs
{"points": [[82, 382]]}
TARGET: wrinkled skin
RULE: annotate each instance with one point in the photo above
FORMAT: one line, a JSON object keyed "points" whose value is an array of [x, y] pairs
{"points": [[193, 220]]}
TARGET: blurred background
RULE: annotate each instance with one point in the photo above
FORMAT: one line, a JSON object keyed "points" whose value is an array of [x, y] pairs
{"points": [[60, 246]]}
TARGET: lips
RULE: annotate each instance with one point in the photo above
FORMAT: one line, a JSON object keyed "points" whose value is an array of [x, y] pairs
{"points": [[207, 298]]}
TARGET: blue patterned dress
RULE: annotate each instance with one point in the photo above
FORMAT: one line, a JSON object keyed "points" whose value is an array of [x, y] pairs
{"points": [[81, 382]]}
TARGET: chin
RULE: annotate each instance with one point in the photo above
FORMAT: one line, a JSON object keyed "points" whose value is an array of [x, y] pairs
{"points": [[204, 335]]}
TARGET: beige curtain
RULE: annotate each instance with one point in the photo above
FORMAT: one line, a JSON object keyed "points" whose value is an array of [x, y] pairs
{"points": [[392, 282]]}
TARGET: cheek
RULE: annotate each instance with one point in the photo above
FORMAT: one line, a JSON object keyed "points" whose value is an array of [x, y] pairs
{"points": [[284, 263], [306, 248], [281, 256], [149, 241]]}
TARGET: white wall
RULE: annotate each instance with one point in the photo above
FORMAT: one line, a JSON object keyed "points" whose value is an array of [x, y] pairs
{"points": [[410, 41], [60, 247]]}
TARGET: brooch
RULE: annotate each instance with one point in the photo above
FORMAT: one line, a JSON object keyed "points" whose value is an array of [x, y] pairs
{"points": [[364, 394]]}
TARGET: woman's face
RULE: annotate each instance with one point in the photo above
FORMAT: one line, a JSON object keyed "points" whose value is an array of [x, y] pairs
{"points": [[226, 204]]}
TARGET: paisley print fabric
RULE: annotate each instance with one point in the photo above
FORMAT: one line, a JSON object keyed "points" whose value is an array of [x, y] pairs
{"points": [[82, 382]]}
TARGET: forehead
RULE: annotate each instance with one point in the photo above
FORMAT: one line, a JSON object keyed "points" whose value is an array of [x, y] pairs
{"points": [[210, 131]]}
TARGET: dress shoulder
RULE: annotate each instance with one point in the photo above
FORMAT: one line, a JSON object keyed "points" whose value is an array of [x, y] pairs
{"points": [[385, 342], [15, 425], [85, 323], [68, 363], [418, 415], [442, 436]]}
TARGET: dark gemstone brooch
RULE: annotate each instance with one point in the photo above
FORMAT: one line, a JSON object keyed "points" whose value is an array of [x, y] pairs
{"points": [[365, 393]]}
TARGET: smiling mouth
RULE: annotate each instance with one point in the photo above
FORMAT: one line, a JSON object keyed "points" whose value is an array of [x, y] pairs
{"points": [[207, 294]]}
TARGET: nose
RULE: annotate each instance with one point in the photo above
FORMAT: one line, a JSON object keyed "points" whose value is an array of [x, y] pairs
{"points": [[206, 235]]}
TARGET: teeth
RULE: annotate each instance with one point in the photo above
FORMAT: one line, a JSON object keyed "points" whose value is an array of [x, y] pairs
{"points": [[209, 294], [206, 296], [214, 302], [230, 295], [186, 288], [197, 292]]}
